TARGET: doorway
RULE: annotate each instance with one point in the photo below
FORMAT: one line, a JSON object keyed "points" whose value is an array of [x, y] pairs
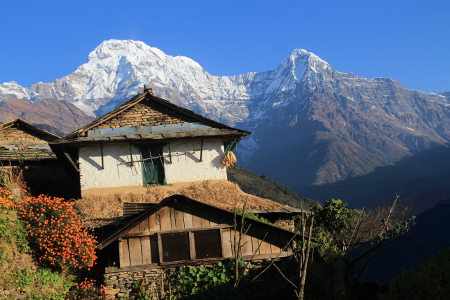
{"points": [[152, 165]]}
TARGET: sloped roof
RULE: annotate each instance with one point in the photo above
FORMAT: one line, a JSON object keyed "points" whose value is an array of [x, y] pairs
{"points": [[429, 235], [26, 155], [134, 220], [47, 136], [216, 129], [27, 150]]}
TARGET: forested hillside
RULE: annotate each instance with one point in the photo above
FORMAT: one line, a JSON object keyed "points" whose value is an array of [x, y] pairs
{"points": [[264, 187]]}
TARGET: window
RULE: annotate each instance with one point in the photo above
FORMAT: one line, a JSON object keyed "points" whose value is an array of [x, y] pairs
{"points": [[207, 244], [178, 246], [175, 246]]}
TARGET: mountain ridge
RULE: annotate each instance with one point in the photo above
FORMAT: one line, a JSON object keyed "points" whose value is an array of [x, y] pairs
{"points": [[58, 117], [312, 125]]}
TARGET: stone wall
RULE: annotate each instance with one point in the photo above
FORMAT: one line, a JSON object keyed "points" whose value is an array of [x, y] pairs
{"points": [[121, 284], [142, 114], [16, 134]]}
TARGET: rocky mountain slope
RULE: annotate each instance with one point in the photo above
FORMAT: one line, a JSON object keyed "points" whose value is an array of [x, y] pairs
{"points": [[58, 117], [311, 124]]}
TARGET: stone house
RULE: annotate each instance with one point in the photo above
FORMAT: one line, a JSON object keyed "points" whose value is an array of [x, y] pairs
{"points": [[147, 141], [182, 231], [22, 143], [25, 150]]}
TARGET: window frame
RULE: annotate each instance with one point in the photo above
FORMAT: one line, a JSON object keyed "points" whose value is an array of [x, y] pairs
{"points": [[191, 245]]}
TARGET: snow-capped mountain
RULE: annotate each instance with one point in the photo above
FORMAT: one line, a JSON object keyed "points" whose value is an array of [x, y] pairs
{"points": [[311, 124]]}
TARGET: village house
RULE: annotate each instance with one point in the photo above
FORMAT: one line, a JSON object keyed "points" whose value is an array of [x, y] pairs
{"points": [[25, 151], [182, 231], [147, 141], [22, 143]]}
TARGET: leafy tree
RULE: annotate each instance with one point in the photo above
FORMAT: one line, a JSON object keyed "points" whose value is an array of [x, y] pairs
{"points": [[335, 222]]}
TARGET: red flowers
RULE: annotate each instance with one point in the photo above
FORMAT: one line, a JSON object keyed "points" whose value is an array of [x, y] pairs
{"points": [[55, 233], [87, 289]]}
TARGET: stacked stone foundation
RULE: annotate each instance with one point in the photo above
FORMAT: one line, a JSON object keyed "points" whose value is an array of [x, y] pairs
{"points": [[121, 285]]}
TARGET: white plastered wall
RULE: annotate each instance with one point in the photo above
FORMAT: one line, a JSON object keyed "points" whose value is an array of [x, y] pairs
{"points": [[118, 171], [186, 165]]}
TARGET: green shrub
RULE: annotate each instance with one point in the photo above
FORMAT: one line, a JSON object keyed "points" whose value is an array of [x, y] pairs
{"points": [[429, 280], [12, 231], [252, 216]]}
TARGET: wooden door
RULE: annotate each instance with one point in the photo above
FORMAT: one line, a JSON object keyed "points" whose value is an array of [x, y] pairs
{"points": [[152, 165]]}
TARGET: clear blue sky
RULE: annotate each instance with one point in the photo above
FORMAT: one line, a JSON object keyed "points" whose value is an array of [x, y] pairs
{"points": [[406, 40]]}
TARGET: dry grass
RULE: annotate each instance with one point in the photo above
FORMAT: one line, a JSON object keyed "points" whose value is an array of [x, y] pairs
{"points": [[97, 210]]}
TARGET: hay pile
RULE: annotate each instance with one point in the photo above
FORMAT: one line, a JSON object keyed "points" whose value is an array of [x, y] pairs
{"points": [[98, 210], [228, 159]]}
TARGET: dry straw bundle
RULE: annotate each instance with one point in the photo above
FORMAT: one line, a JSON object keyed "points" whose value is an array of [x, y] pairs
{"points": [[228, 159]]}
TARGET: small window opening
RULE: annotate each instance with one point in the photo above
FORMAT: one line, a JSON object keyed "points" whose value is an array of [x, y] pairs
{"points": [[207, 244], [175, 246]]}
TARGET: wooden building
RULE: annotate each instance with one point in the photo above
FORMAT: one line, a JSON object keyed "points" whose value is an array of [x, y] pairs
{"points": [[147, 141], [180, 230]]}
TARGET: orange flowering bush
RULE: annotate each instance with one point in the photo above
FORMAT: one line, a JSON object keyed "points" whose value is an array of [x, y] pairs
{"points": [[55, 234], [6, 199], [87, 289]]}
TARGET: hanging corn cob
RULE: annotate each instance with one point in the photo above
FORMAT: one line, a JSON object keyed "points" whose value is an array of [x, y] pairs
{"points": [[228, 159]]}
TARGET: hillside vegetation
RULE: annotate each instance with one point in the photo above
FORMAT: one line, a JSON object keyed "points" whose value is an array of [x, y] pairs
{"points": [[44, 251], [264, 187]]}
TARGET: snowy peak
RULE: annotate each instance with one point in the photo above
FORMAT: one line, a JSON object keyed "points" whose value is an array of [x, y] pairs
{"points": [[119, 48], [303, 59], [136, 52], [118, 69]]}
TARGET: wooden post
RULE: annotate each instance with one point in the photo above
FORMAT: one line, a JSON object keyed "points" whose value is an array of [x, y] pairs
{"points": [[170, 153], [201, 150], [101, 153], [70, 159], [131, 154]]}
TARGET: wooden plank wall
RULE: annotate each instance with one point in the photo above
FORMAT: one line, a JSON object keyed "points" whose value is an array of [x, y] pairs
{"points": [[142, 250], [255, 242]]}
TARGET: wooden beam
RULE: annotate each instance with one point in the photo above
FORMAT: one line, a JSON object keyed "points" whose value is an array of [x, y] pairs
{"points": [[190, 263], [149, 233], [192, 253], [160, 251], [101, 153], [70, 159], [131, 154], [201, 150], [170, 153]]}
